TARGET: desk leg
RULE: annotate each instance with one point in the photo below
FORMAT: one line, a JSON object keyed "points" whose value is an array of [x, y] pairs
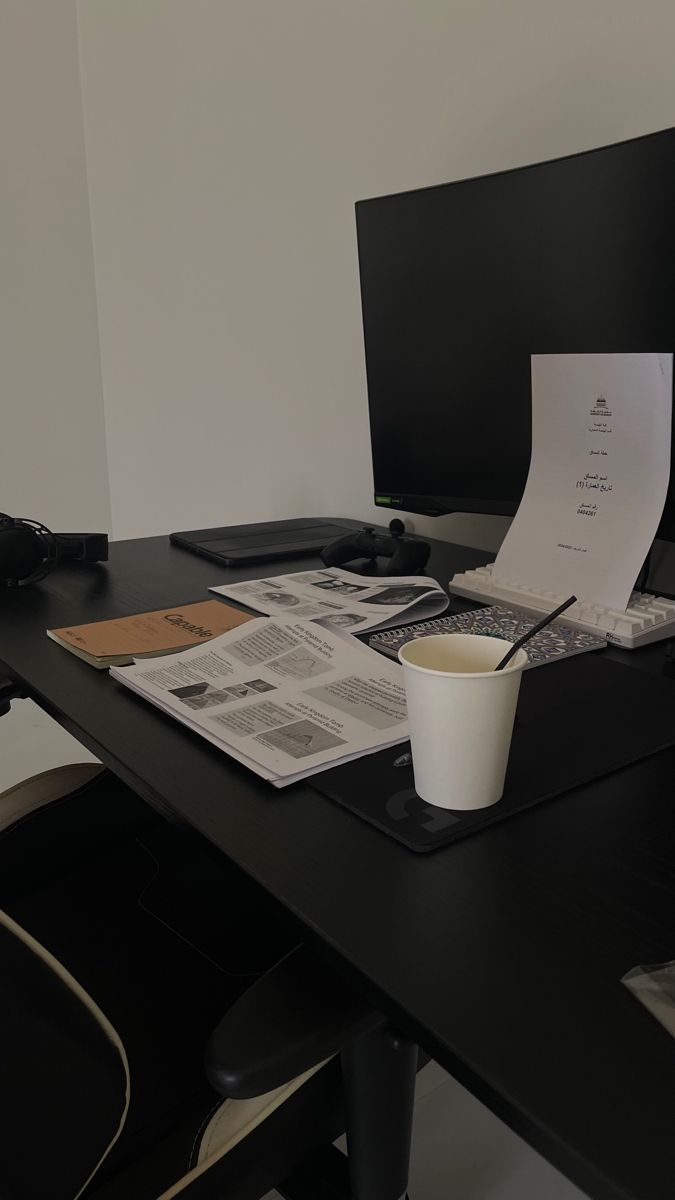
{"points": [[379, 1077]]}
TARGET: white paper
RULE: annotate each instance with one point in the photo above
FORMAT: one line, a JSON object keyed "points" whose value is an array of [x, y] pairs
{"points": [[598, 475], [340, 600], [285, 698]]}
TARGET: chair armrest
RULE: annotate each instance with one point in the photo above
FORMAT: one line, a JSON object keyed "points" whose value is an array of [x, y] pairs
{"points": [[299, 1014], [8, 692]]}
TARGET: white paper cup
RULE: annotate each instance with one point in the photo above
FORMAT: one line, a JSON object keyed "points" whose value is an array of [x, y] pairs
{"points": [[461, 713]]}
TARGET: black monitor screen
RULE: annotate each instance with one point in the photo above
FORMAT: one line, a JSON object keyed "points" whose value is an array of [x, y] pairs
{"points": [[461, 283]]}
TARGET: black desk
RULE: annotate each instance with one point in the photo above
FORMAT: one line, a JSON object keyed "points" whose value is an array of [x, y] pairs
{"points": [[501, 955]]}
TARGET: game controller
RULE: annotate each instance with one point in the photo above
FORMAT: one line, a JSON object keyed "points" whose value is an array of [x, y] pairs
{"points": [[407, 554]]}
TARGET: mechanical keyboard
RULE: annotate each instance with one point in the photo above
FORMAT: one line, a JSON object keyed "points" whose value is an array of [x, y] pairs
{"points": [[646, 619]]}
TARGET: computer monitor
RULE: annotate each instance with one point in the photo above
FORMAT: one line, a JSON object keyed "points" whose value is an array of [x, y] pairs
{"points": [[462, 282]]}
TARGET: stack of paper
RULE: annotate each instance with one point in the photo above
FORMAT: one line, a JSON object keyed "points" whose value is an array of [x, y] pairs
{"points": [[286, 699], [598, 479]]}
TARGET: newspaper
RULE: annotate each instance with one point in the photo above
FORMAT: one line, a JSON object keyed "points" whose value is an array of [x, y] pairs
{"points": [[337, 599], [285, 698]]}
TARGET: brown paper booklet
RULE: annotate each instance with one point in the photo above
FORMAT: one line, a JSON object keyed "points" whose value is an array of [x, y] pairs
{"points": [[148, 635]]}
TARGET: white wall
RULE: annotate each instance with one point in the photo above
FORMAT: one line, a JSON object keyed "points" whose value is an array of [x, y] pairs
{"points": [[52, 447], [226, 145]]}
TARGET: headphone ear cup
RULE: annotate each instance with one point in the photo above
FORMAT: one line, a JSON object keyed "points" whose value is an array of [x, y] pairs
{"points": [[21, 553]]}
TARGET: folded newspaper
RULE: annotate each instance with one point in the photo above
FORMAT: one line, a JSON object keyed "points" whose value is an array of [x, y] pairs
{"points": [[285, 698], [337, 599]]}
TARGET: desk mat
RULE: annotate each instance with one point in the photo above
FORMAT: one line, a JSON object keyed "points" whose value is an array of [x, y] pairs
{"points": [[577, 720]]}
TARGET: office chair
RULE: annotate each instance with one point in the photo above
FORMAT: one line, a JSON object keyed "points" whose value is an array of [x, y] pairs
{"points": [[162, 1032]]}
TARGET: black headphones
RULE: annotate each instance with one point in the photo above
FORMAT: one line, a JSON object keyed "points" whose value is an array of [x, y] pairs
{"points": [[29, 551]]}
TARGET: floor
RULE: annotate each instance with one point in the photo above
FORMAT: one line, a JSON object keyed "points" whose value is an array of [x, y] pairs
{"points": [[460, 1149]]}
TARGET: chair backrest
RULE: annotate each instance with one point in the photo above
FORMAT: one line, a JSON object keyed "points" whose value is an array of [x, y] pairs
{"points": [[64, 1076]]}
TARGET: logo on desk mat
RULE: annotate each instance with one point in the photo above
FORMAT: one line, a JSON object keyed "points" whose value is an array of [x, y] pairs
{"points": [[434, 820]]}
